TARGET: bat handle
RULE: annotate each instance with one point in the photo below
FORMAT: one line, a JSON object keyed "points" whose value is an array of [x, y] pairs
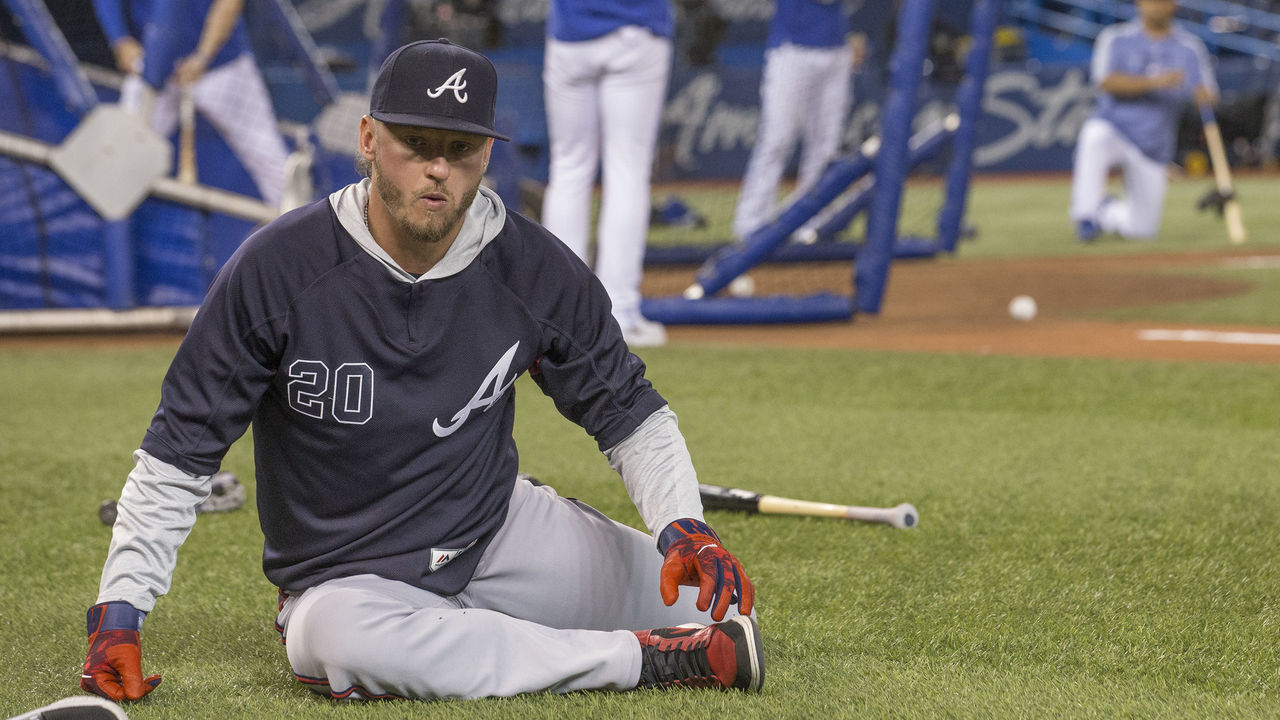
{"points": [[1206, 114], [187, 137]]}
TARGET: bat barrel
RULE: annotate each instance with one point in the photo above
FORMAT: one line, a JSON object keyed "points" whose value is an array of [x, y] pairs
{"points": [[715, 497]]}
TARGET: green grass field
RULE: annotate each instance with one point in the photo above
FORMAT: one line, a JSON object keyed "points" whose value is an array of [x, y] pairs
{"points": [[1098, 538], [1022, 216]]}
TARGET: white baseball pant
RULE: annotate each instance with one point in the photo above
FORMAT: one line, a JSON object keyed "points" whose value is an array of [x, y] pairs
{"points": [[604, 100], [550, 608], [1100, 147], [234, 99], [804, 96]]}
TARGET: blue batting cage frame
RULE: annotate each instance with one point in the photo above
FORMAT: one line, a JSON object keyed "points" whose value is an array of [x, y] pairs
{"points": [[890, 159]]}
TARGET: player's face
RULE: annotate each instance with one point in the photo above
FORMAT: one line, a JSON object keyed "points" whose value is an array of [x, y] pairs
{"points": [[1157, 13], [427, 178]]}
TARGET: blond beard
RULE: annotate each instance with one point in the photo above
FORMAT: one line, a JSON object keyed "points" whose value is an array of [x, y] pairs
{"points": [[434, 229]]}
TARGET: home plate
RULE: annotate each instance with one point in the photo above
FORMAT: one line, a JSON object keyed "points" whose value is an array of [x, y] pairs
{"points": [[1211, 336]]}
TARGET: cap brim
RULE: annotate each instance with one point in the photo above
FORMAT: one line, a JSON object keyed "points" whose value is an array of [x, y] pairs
{"points": [[437, 123]]}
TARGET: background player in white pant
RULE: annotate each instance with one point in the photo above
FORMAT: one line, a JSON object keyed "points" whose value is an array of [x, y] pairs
{"points": [[1146, 69], [164, 45], [804, 96], [372, 338], [605, 79]]}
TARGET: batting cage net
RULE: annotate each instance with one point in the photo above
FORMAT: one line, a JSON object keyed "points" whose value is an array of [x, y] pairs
{"points": [[897, 188], [826, 253]]}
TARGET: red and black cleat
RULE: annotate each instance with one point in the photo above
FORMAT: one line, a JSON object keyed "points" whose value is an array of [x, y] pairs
{"points": [[724, 655]]}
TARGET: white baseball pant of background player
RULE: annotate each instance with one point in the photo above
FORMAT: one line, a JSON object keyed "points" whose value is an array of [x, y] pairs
{"points": [[1099, 148], [804, 95], [604, 100], [234, 99], [550, 607]]}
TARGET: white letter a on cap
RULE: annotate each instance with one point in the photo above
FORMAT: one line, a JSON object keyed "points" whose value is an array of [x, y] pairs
{"points": [[454, 83]]}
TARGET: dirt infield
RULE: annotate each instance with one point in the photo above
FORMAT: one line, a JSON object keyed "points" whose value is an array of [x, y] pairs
{"points": [[960, 306], [947, 305]]}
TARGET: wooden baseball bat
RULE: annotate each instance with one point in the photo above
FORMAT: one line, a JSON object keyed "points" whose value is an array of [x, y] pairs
{"points": [[716, 497], [1222, 176], [187, 137]]}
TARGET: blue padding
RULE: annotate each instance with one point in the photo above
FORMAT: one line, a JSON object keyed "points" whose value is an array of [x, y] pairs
{"points": [[823, 307], [696, 255], [924, 147], [728, 264], [42, 32], [985, 16], [912, 247], [905, 247], [842, 218], [871, 275]]}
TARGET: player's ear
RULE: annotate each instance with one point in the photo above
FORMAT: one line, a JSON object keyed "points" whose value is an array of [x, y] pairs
{"points": [[488, 148], [365, 140]]}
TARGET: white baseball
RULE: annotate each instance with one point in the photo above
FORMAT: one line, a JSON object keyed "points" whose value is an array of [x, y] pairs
{"points": [[1023, 308], [742, 286]]}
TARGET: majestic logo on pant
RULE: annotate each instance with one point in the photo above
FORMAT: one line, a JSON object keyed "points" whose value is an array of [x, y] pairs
{"points": [[454, 83], [490, 391]]}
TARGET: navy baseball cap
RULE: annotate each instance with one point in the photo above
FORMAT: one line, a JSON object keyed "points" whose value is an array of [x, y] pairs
{"points": [[436, 84]]}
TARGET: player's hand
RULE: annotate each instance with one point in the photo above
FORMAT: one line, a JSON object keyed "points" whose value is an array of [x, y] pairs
{"points": [[695, 557], [113, 667], [128, 54], [191, 68]]}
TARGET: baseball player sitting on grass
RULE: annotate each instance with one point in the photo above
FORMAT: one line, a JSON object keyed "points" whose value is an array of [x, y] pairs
{"points": [[1147, 69], [372, 339]]}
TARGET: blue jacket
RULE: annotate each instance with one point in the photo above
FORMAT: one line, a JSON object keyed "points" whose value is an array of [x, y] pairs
{"points": [[168, 30], [578, 20], [811, 23]]}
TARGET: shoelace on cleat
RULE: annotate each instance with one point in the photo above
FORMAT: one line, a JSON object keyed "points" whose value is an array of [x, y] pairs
{"points": [[677, 666]]}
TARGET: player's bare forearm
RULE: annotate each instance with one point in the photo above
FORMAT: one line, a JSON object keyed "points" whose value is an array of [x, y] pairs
{"points": [[218, 25], [1124, 85], [222, 19]]}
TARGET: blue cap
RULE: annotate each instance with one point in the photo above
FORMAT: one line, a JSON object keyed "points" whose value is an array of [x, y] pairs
{"points": [[436, 84]]}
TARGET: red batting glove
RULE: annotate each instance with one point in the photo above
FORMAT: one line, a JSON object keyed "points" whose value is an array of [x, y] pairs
{"points": [[113, 667], [695, 557]]}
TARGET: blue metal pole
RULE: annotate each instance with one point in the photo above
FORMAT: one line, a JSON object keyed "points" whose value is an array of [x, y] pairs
{"points": [[969, 103], [42, 32], [871, 273], [117, 264]]}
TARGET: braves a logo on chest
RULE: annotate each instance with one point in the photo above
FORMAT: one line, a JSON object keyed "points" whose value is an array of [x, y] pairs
{"points": [[454, 83], [490, 391]]}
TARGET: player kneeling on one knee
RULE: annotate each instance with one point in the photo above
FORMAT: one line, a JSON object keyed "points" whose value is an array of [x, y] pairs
{"points": [[373, 338]]}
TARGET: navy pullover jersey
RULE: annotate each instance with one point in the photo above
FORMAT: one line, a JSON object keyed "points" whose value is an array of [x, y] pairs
{"points": [[382, 409]]}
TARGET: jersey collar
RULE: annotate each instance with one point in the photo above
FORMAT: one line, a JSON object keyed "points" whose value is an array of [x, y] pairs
{"points": [[484, 221]]}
